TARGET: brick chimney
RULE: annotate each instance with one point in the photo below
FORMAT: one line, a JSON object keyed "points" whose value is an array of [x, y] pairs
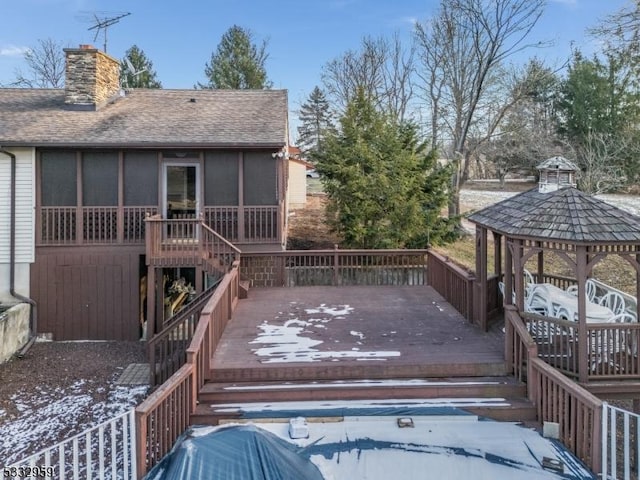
{"points": [[92, 78]]}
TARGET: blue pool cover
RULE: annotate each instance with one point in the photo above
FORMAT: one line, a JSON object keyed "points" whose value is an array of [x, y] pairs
{"points": [[239, 452]]}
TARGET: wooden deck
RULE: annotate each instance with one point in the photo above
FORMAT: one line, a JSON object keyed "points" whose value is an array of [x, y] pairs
{"points": [[388, 332], [367, 343]]}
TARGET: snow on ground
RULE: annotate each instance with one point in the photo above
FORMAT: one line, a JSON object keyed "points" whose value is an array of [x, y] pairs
{"points": [[285, 343], [478, 199], [51, 414]]}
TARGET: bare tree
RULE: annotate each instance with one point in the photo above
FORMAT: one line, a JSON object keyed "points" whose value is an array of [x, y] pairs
{"points": [[474, 38], [621, 31], [600, 172], [46, 66], [382, 68]]}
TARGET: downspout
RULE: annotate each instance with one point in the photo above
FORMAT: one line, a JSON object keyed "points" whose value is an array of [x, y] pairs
{"points": [[33, 316]]}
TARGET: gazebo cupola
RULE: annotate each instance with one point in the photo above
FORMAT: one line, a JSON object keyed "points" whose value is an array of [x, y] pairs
{"points": [[556, 173]]}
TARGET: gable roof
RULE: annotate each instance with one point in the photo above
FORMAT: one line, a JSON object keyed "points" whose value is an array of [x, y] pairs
{"points": [[567, 214], [147, 118]]}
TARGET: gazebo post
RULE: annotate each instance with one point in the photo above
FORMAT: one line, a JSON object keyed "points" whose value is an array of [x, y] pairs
{"points": [[480, 294], [581, 277], [508, 272], [497, 254], [540, 275], [519, 274]]}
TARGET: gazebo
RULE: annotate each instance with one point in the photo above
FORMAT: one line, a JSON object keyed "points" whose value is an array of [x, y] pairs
{"points": [[579, 229]]}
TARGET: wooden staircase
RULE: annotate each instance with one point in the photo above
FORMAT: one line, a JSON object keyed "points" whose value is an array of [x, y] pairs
{"points": [[488, 393]]}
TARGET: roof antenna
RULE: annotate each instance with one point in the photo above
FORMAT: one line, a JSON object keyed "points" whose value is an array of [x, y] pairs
{"points": [[103, 24], [134, 73]]}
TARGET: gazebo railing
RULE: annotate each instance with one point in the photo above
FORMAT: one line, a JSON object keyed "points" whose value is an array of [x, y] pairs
{"points": [[611, 348]]}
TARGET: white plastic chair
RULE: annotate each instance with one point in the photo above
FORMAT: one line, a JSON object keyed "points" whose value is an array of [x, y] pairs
{"points": [[589, 288], [538, 301], [614, 302], [528, 281], [513, 294], [564, 314]]}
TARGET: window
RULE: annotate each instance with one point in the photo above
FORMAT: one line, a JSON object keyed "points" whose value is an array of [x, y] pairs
{"points": [[100, 179], [141, 179], [260, 179], [58, 174], [221, 178]]}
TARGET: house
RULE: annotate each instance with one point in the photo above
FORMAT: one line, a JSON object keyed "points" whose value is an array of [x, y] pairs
{"points": [[93, 161], [297, 179]]}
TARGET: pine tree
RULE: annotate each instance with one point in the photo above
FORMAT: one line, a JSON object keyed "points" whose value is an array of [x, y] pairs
{"points": [[143, 76], [316, 123], [237, 63], [384, 189]]}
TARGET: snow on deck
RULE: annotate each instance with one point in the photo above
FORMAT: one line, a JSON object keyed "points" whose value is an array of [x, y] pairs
{"points": [[288, 343]]}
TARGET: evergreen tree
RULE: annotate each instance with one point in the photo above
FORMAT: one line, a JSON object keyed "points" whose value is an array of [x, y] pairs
{"points": [[143, 76], [237, 63], [316, 122], [384, 190], [600, 114]]}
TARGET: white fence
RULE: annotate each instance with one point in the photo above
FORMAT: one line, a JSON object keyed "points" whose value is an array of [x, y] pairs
{"points": [[620, 443], [104, 452]]}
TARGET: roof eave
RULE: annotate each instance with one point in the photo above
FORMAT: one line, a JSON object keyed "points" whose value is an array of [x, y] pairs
{"points": [[262, 145]]}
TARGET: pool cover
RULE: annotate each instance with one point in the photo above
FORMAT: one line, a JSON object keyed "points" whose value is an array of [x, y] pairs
{"points": [[238, 452]]}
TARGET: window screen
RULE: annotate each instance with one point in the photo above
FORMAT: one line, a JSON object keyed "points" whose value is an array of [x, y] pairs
{"points": [[221, 178], [141, 178], [100, 179], [58, 174], [260, 179]]}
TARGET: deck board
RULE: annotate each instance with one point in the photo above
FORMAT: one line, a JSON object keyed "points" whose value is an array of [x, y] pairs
{"points": [[421, 333]]}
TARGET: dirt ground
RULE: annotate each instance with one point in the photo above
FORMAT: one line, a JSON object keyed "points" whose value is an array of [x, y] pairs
{"points": [[72, 379], [308, 229]]}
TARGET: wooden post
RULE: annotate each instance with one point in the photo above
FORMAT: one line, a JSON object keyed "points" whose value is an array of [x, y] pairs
{"points": [[151, 301], [508, 272], [519, 275], [241, 233], [335, 264], [480, 290], [581, 276], [141, 444]]}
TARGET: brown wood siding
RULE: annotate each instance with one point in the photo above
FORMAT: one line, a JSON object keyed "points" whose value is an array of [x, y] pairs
{"points": [[87, 293]]}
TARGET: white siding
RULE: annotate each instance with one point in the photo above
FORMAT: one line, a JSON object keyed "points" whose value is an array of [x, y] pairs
{"points": [[25, 205], [297, 184]]}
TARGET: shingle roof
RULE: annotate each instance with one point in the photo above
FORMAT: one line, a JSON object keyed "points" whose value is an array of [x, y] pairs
{"points": [[558, 163], [567, 214], [154, 117]]}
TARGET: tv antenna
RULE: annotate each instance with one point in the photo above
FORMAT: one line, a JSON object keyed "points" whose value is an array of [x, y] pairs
{"points": [[134, 73], [102, 24]]}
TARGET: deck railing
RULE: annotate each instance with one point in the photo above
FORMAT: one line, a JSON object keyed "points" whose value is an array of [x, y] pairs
{"points": [[165, 414], [187, 242], [611, 348], [620, 443], [107, 450], [246, 224], [558, 399], [111, 225], [92, 225], [335, 267], [453, 282], [167, 350]]}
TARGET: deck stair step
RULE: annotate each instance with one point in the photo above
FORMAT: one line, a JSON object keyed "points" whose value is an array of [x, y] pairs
{"points": [[500, 409], [503, 386], [348, 371], [498, 397]]}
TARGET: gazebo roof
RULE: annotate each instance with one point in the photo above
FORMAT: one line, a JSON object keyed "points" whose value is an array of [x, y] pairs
{"points": [[566, 214]]}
